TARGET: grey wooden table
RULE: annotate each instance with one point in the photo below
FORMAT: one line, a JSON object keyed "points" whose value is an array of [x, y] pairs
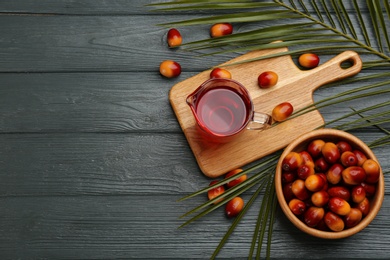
{"points": [[92, 159]]}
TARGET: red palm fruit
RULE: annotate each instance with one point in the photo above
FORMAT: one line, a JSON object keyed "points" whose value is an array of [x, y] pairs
{"points": [[372, 170], [353, 217], [353, 175], [299, 189], [358, 193], [282, 111], [369, 188], [320, 198], [305, 171], [361, 157], [364, 207], [323, 176], [267, 79], [343, 146], [334, 222], [174, 38], [215, 192], [314, 183], [348, 158], [322, 226], [235, 181], [321, 165], [315, 147], [297, 206], [333, 175], [170, 69], [220, 74], [330, 152], [292, 161], [288, 177], [339, 206], [287, 192], [339, 192], [307, 159], [221, 29], [234, 207], [313, 216], [309, 60]]}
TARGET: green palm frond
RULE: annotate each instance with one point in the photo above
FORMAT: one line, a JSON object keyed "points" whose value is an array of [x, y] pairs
{"points": [[328, 21], [320, 26]]}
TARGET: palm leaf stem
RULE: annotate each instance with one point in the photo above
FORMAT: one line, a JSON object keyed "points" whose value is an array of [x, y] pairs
{"points": [[188, 2], [312, 108], [339, 16], [325, 6], [216, 6], [238, 219], [259, 232], [237, 17], [268, 201], [387, 7], [212, 208], [259, 224], [359, 79], [294, 52], [263, 35], [317, 10], [365, 118], [371, 9], [226, 196], [379, 127], [362, 23], [351, 39], [277, 45], [375, 63], [271, 221], [377, 9], [380, 142], [379, 122], [332, 100], [303, 6], [347, 19], [258, 166], [236, 190], [355, 112]]}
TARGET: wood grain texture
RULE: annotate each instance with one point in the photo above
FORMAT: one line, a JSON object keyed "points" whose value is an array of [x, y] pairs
{"points": [[41, 43], [294, 86], [92, 158], [74, 164], [102, 7], [124, 227], [111, 102], [93, 43]]}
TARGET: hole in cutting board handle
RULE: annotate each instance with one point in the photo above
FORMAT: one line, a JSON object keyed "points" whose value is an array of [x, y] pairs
{"points": [[350, 62], [347, 64]]}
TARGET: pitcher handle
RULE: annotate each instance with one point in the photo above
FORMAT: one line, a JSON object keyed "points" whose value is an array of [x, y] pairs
{"points": [[260, 121]]}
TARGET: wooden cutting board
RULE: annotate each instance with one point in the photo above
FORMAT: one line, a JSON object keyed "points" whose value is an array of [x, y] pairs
{"points": [[294, 85]]}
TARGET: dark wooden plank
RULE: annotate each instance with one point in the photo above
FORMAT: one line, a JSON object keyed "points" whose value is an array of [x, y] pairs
{"points": [[110, 102], [105, 7], [93, 43], [86, 102], [52, 43], [108, 227], [90, 7], [83, 164], [71, 164]]}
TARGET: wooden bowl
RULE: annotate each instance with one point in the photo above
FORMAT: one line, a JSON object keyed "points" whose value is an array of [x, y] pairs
{"points": [[334, 136]]}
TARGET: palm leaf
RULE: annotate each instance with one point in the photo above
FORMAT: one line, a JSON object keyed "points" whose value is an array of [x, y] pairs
{"points": [[324, 27]]}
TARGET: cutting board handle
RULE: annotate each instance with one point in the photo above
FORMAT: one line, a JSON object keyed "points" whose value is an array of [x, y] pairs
{"points": [[332, 70]]}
